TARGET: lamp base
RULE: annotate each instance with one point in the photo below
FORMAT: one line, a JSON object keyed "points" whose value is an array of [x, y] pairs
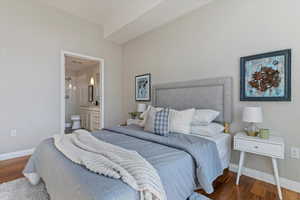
{"points": [[252, 130], [251, 133]]}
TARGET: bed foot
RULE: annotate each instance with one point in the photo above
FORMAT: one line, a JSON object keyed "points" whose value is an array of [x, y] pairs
{"points": [[224, 178]]}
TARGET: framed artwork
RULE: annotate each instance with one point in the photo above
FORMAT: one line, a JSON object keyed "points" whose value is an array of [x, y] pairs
{"points": [[90, 93], [266, 77], [143, 87]]}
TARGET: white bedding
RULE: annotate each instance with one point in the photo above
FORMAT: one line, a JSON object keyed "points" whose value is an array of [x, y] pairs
{"points": [[223, 142]]}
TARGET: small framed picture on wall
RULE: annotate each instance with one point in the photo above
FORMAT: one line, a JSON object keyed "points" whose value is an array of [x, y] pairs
{"points": [[143, 87], [266, 77]]}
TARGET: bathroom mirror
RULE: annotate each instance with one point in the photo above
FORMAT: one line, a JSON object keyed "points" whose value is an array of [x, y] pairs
{"points": [[91, 93]]}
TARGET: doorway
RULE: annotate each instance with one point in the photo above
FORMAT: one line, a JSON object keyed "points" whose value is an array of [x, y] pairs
{"points": [[82, 92]]}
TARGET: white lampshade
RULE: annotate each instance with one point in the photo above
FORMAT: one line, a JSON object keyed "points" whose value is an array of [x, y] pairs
{"points": [[252, 114], [141, 107]]}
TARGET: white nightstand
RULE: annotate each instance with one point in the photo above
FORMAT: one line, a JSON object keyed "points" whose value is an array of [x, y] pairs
{"points": [[133, 121], [272, 147]]}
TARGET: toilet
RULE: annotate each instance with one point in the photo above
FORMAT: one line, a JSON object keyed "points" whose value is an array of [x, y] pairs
{"points": [[75, 122]]}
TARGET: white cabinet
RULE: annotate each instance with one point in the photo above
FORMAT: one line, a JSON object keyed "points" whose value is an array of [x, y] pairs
{"points": [[90, 117], [272, 147]]}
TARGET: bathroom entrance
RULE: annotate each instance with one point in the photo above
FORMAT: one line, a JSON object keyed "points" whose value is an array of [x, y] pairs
{"points": [[82, 88]]}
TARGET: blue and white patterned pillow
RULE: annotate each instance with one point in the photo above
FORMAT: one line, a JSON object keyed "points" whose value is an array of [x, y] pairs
{"points": [[161, 122], [158, 121]]}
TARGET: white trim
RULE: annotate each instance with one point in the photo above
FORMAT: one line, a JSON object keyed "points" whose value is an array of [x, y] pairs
{"points": [[62, 86], [17, 154], [285, 183]]}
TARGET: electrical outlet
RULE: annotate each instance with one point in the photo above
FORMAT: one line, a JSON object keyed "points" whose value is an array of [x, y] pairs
{"points": [[295, 152], [13, 132]]}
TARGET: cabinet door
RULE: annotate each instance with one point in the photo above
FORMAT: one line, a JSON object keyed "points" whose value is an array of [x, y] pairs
{"points": [[82, 117], [95, 121], [88, 120]]}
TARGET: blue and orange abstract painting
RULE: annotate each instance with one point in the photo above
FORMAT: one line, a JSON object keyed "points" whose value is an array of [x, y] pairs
{"points": [[265, 77]]}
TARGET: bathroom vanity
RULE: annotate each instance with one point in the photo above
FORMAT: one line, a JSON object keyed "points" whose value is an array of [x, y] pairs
{"points": [[90, 117]]}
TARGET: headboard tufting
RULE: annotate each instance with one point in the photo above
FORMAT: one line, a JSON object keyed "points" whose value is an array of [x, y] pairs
{"points": [[213, 93]]}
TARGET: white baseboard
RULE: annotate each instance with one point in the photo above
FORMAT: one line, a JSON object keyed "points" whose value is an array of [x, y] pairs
{"points": [[16, 154], [269, 178]]}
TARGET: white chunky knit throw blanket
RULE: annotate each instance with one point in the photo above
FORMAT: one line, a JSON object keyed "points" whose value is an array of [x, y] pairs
{"points": [[112, 161]]}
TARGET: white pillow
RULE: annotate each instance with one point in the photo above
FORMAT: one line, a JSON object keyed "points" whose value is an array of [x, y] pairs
{"points": [[210, 130], [149, 117], [180, 121], [204, 116], [144, 115]]}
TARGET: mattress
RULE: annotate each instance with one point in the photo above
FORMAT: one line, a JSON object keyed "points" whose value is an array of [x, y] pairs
{"points": [[223, 142]]}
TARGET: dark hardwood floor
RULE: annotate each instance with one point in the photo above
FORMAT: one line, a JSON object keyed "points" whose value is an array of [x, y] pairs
{"points": [[225, 188], [12, 169], [248, 189]]}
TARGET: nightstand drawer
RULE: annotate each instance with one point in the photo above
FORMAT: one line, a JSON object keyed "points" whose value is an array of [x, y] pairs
{"points": [[267, 149]]}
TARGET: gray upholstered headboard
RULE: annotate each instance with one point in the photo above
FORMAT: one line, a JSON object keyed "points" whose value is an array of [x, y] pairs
{"points": [[215, 93]]}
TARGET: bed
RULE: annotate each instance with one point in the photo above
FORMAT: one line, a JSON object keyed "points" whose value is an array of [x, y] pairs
{"points": [[175, 164], [223, 143]]}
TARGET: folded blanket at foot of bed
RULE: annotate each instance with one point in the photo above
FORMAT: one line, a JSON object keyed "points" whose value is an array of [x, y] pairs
{"points": [[112, 161]]}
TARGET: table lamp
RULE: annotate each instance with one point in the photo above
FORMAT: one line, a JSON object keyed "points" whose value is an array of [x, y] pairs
{"points": [[252, 115], [141, 107]]}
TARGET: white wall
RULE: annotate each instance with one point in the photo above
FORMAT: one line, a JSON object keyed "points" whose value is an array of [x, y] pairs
{"points": [[208, 43], [31, 39]]}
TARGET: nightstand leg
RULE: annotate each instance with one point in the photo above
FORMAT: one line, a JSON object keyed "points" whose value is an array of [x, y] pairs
{"points": [[242, 157], [277, 177]]}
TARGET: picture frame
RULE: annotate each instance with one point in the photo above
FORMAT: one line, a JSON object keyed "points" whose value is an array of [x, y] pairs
{"points": [[143, 87], [90, 93], [266, 77]]}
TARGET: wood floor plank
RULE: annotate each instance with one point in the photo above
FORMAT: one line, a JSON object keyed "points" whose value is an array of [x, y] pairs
{"points": [[225, 188], [12, 169], [289, 195], [258, 188]]}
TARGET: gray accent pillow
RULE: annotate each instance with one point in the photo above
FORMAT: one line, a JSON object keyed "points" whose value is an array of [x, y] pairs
{"points": [[144, 115]]}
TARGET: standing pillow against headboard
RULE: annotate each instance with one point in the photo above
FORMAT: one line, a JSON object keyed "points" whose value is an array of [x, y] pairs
{"points": [[204, 117], [180, 121], [144, 115]]}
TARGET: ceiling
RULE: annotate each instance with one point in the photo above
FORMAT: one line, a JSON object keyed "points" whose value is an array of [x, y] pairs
{"points": [[124, 20], [76, 64]]}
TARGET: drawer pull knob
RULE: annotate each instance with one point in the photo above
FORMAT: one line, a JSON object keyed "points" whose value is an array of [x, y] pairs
{"points": [[256, 147]]}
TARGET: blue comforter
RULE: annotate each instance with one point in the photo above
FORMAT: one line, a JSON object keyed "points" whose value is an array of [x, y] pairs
{"points": [[183, 162]]}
